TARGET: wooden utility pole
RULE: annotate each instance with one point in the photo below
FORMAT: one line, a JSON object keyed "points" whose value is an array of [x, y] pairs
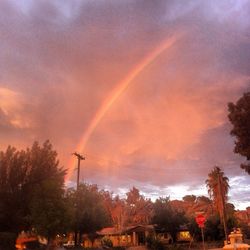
{"points": [[202, 235], [79, 158]]}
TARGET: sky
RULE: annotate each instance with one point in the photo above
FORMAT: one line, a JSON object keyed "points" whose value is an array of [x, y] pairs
{"points": [[140, 88]]}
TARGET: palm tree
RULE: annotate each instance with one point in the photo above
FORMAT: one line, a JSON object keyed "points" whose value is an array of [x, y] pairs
{"points": [[218, 187]]}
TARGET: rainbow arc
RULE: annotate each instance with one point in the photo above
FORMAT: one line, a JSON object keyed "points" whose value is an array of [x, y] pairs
{"points": [[117, 92]]}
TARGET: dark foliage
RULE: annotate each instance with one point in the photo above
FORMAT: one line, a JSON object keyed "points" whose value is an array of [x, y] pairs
{"points": [[154, 243], [91, 214], [7, 241], [239, 116], [168, 218], [31, 190]]}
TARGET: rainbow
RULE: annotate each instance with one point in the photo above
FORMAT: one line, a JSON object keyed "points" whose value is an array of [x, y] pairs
{"points": [[116, 92]]}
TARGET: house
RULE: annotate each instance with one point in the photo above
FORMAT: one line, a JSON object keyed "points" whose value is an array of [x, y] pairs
{"points": [[133, 236], [183, 235], [127, 236]]}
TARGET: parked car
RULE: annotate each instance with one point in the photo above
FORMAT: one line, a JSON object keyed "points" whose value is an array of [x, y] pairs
{"points": [[29, 244], [69, 244]]}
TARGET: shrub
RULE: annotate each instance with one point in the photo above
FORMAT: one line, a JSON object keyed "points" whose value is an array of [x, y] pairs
{"points": [[245, 230], [154, 243], [106, 242], [7, 241]]}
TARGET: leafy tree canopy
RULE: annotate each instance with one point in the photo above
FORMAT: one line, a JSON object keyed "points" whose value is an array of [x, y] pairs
{"points": [[217, 184], [133, 196], [189, 198], [13, 177], [203, 199], [166, 217], [239, 116], [31, 190], [92, 214], [218, 187], [138, 209]]}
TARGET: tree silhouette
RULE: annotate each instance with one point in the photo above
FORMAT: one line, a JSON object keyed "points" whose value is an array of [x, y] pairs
{"points": [[217, 184], [167, 217], [139, 209], [92, 212], [218, 187], [31, 190], [239, 116]]}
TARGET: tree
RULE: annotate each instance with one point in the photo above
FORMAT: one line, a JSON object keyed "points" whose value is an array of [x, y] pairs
{"points": [[231, 217], [139, 209], [48, 210], [218, 187], [133, 196], [13, 175], [203, 199], [213, 228], [189, 198], [31, 190], [205, 205], [117, 210], [166, 217], [92, 213], [239, 116], [45, 190], [217, 184]]}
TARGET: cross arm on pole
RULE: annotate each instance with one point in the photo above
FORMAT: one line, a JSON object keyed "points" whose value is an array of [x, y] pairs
{"points": [[78, 156]]}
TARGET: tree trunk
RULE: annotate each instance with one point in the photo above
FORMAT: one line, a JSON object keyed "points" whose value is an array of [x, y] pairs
{"points": [[51, 244]]}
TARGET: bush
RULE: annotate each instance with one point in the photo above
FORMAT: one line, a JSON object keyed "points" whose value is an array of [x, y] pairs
{"points": [[118, 248], [106, 242], [7, 241], [34, 245], [245, 230], [154, 243]]}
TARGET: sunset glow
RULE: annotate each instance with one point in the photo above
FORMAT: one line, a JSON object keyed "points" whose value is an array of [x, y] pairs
{"points": [[139, 88], [115, 93]]}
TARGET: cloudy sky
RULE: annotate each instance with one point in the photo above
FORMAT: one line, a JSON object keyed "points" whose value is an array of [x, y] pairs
{"points": [[139, 87]]}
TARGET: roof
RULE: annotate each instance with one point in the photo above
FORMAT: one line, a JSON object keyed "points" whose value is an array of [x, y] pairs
{"points": [[109, 231], [129, 229]]}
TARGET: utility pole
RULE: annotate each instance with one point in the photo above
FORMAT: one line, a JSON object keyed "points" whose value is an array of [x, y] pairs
{"points": [[202, 235], [79, 158]]}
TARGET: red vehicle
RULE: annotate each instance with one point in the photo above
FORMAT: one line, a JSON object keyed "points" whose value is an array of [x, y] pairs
{"points": [[21, 243], [26, 241]]}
